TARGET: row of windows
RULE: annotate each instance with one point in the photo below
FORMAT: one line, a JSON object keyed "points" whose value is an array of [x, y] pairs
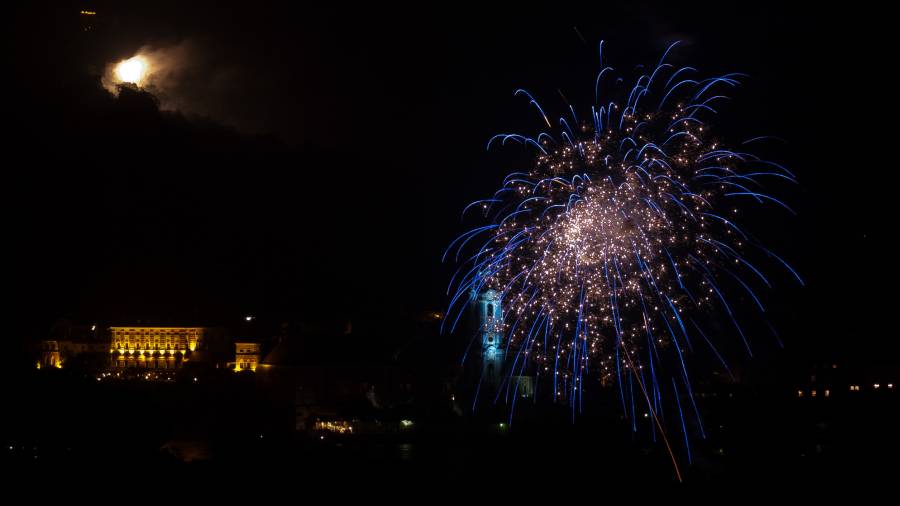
{"points": [[136, 352], [161, 358], [147, 339], [157, 331], [150, 346], [151, 329], [158, 334], [148, 364]]}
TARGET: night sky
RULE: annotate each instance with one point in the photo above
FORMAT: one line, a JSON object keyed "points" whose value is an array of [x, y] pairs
{"points": [[319, 157]]}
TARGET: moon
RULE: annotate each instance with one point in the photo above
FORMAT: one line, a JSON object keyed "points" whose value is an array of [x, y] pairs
{"points": [[131, 70]]}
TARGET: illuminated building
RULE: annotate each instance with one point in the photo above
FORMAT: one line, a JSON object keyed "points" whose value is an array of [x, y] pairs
{"points": [[246, 356], [72, 344], [49, 355], [335, 426], [87, 18], [490, 314], [153, 347], [493, 350]]}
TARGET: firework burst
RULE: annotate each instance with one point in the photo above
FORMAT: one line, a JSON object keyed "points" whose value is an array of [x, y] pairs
{"points": [[617, 243]]}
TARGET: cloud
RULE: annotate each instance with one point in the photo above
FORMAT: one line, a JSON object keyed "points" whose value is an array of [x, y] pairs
{"points": [[196, 79]]}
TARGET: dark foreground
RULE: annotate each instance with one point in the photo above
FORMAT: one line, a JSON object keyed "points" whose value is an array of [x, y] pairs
{"points": [[125, 433]]}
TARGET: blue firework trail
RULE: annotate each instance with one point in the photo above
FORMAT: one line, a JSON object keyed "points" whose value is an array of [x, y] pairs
{"points": [[621, 237]]}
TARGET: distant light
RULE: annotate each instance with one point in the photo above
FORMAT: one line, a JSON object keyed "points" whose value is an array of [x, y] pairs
{"points": [[131, 70], [195, 379], [88, 13], [890, 385], [249, 318], [876, 386], [406, 423], [93, 328], [335, 426]]}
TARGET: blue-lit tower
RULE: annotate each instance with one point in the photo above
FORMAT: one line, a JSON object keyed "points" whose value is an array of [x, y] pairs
{"points": [[490, 319]]}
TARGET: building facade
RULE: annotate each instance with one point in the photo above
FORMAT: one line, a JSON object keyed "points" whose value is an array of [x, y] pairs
{"points": [[50, 357], [153, 347], [246, 356]]}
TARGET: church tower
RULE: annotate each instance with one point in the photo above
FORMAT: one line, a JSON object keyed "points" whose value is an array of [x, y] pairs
{"points": [[490, 319], [489, 307]]}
